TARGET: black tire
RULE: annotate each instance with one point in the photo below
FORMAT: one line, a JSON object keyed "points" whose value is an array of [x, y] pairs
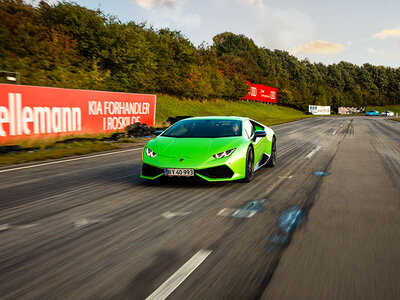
{"points": [[249, 165], [272, 159]]}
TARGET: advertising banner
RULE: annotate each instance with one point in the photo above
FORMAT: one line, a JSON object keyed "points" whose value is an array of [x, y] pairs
{"points": [[262, 93], [31, 111], [319, 110], [351, 110]]}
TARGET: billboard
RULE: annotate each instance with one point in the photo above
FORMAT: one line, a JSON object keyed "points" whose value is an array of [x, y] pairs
{"points": [[351, 110], [31, 111], [319, 110], [262, 93]]}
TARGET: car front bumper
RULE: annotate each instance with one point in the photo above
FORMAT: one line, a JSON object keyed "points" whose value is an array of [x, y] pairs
{"points": [[214, 170]]}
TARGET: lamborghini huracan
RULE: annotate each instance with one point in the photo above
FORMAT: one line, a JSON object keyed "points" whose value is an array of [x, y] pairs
{"points": [[210, 148]]}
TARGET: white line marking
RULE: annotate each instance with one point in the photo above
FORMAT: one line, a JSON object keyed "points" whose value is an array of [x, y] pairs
{"points": [[67, 160], [179, 276], [253, 212], [313, 152], [4, 227], [86, 221], [221, 212], [225, 212], [169, 214], [25, 226], [285, 177]]}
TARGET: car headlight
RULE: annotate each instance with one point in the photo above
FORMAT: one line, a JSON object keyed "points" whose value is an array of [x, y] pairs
{"points": [[224, 154], [150, 153]]}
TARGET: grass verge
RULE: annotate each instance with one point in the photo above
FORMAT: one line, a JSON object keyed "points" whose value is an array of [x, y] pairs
{"points": [[393, 108], [56, 151], [267, 114]]}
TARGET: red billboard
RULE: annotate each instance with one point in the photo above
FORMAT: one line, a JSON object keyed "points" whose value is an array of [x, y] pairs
{"points": [[31, 111], [262, 93]]}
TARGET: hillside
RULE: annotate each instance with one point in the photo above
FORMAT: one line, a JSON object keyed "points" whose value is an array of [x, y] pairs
{"points": [[68, 45]]}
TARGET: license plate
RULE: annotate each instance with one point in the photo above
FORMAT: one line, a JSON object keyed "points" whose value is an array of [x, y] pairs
{"points": [[179, 172]]}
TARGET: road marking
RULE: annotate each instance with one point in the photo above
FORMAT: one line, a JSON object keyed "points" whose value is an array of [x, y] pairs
{"points": [[68, 160], [86, 221], [4, 227], [248, 210], [24, 226], [251, 214], [225, 212], [313, 152], [169, 214], [285, 177], [179, 276]]}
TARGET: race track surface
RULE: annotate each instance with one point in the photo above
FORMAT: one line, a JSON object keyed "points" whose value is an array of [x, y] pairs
{"points": [[324, 223]]}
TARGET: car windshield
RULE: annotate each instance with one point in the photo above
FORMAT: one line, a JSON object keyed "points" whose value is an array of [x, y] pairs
{"points": [[205, 128]]}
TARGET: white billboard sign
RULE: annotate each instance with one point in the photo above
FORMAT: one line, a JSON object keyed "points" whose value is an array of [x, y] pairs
{"points": [[319, 110]]}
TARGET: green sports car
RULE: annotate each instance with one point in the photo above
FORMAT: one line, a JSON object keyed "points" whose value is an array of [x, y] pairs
{"points": [[211, 148]]}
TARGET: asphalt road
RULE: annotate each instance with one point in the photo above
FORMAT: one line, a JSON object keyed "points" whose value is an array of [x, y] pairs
{"points": [[91, 228]]}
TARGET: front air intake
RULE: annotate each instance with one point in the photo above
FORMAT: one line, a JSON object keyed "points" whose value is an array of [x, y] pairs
{"points": [[150, 171], [216, 172]]}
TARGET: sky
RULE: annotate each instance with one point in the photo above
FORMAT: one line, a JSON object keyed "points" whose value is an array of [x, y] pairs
{"points": [[356, 31]]}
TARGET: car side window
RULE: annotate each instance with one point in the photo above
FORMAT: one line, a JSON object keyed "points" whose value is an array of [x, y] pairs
{"points": [[248, 129]]}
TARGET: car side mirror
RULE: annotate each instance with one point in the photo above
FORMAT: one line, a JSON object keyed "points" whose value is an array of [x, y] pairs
{"points": [[260, 133], [158, 132]]}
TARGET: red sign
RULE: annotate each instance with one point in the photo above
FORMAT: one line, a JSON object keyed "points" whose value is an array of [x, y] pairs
{"points": [[31, 111], [263, 93]]}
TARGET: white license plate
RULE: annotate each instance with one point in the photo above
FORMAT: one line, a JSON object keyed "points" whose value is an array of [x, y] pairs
{"points": [[179, 172]]}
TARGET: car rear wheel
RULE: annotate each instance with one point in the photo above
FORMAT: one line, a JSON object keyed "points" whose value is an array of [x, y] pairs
{"points": [[249, 165], [272, 159]]}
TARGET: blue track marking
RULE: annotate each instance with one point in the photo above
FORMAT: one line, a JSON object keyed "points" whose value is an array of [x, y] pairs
{"points": [[248, 210]]}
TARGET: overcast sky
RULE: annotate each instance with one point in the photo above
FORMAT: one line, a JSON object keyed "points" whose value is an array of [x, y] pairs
{"points": [[357, 31]]}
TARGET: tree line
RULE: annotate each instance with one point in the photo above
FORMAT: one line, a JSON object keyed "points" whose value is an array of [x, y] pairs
{"points": [[67, 45]]}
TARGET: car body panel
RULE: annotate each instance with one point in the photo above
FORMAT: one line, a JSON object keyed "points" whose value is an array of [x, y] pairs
{"points": [[372, 113], [197, 153], [387, 113]]}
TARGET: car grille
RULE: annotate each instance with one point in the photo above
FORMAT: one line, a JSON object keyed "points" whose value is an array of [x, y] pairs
{"points": [[151, 171], [216, 172]]}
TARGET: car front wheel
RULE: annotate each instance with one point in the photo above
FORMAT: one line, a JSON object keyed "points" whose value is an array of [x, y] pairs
{"points": [[249, 165], [272, 159]]}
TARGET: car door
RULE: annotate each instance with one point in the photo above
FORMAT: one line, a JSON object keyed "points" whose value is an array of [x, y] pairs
{"points": [[258, 143]]}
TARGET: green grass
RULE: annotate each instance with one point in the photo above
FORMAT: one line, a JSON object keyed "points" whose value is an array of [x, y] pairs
{"points": [[267, 114], [56, 151], [47, 142], [393, 108]]}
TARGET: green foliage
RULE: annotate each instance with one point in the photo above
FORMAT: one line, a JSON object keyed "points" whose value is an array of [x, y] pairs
{"points": [[67, 45]]}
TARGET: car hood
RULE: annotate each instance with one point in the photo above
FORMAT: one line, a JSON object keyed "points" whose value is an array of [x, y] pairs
{"points": [[191, 147]]}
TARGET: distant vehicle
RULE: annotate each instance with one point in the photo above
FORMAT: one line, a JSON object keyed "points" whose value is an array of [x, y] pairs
{"points": [[210, 148], [372, 113], [387, 113]]}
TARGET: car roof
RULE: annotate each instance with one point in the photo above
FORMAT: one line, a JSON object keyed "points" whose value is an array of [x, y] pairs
{"points": [[233, 118]]}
